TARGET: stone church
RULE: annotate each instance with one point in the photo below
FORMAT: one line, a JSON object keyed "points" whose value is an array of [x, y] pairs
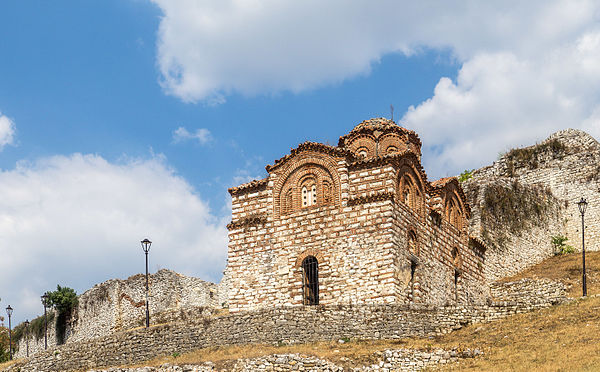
{"points": [[356, 223]]}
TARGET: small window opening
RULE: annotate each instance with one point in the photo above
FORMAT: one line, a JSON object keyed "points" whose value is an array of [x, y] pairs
{"points": [[456, 276], [362, 152], [310, 281]]}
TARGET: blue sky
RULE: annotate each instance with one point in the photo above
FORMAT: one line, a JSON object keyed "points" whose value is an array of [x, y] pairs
{"points": [[131, 118]]}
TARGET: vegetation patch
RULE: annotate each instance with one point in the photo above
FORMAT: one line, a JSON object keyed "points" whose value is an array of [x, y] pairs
{"points": [[465, 175], [559, 242], [531, 157], [511, 209]]}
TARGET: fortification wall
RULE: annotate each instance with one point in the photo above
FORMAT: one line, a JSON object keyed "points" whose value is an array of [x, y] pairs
{"points": [[567, 166], [117, 305], [291, 325]]}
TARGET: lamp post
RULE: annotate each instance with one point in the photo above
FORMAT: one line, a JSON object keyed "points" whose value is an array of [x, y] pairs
{"points": [[146, 247], [9, 311], [27, 336], [582, 204], [45, 303]]}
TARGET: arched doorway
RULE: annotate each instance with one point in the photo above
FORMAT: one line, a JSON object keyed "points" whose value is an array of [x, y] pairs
{"points": [[310, 281]]}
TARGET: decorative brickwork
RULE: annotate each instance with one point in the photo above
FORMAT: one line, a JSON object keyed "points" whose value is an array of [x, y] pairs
{"points": [[365, 217]]}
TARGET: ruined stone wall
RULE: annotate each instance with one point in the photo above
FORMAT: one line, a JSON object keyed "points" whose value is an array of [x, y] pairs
{"points": [[567, 165], [117, 305], [290, 325]]}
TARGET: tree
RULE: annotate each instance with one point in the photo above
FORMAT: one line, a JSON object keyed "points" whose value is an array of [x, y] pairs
{"points": [[64, 300]]}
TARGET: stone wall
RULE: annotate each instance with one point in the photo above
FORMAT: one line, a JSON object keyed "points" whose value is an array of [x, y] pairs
{"points": [[290, 325], [117, 305], [389, 360], [567, 165]]}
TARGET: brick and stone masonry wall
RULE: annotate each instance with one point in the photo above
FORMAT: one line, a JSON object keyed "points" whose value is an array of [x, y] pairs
{"points": [[292, 325], [360, 243], [569, 174], [117, 305]]}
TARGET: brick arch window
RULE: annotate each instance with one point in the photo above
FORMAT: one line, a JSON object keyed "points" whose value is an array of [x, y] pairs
{"points": [[413, 248], [288, 198], [391, 150], [455, 258], [453, 214], [310, 281], [327, 192], [410, 190], [407, 192], [308, 188], [362, 152]]}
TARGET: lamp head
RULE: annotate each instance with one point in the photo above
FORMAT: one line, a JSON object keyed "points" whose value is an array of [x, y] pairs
{"points": [[9, 310], [582, 204], [146, 245]]}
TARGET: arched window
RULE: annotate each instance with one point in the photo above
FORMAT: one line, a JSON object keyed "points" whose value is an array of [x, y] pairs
{"points": [[412, 243], [455, 258], [453, 214], [327, 192], [310, 281], [309, 193], [391, 149], [407, 192], [362, 152], [287, 203]]}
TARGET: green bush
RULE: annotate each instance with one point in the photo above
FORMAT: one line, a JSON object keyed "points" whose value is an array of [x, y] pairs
{"points": [[465, 175], [560, 245], [64, 300]]}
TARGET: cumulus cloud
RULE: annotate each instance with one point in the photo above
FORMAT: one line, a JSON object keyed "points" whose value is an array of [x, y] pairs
{"points": [[526, 68], [7, 131], [77, 220], [201, 135]]}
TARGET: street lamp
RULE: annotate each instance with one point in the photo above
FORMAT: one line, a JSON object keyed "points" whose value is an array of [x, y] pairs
{"points": [[146, 247], [45, 303], [9, 311], [582, 204], [27, 336]]}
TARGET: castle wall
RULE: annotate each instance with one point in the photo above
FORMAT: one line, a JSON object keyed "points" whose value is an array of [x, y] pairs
{"points": [[293, 325], [117, 305], [568, 173]]}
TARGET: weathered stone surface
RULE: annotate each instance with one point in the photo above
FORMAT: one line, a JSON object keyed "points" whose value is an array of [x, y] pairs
{"points": [[293, 325], [117, 305], [562, 169]]}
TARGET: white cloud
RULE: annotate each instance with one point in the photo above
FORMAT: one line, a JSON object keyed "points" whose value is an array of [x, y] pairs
{"points": [[7, 131], [527, 68], [77, 221], [201, 135]]}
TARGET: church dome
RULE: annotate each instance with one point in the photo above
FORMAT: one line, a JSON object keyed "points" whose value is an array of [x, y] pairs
{"points": [[379, 137]]}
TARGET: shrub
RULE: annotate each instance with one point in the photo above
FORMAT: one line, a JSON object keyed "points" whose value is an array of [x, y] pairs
{"points": [[64, 300], [465, 175], [560, 245]]}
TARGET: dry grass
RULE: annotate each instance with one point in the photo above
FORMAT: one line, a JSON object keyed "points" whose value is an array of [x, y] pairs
{"points": [[567, 268]]}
